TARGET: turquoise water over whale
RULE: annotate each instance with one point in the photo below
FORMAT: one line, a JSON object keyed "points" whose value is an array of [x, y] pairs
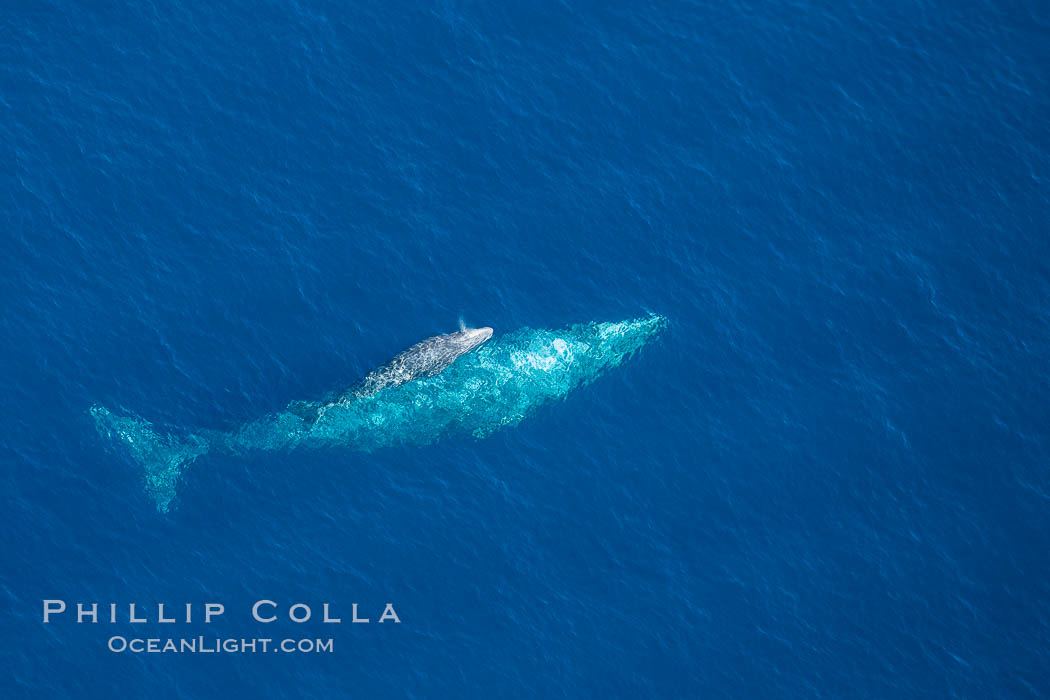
{"points": [[497, 385]]}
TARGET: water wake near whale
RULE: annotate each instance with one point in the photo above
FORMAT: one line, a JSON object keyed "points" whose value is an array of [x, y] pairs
{"points": [[498, 384]]}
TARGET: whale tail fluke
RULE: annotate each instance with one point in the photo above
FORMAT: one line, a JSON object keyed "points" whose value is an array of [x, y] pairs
{"points": [[162, 457]]}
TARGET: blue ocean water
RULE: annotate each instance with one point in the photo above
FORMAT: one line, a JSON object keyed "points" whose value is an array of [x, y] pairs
{"points": [[827, 477]]}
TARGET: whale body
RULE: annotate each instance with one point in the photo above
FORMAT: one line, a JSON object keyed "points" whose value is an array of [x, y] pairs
{"points": [[424, 359], [499, 384]]}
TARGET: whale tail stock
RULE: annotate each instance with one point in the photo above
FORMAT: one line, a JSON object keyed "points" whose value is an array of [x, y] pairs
{"points": [[306, 410], [162, 457]]}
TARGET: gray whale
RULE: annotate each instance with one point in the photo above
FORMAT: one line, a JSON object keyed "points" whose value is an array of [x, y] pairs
{"points": [[496, 386]]}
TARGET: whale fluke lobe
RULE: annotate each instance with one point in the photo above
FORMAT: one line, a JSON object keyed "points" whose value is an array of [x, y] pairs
{"points": [[499, 384], [162, 457]]}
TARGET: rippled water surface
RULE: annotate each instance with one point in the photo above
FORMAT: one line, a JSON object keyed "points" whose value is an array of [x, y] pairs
{"points": [[816, 467]]}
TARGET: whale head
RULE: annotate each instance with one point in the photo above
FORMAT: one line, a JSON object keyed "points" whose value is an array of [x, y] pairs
{"points": [[470, 338], [495, 386]]}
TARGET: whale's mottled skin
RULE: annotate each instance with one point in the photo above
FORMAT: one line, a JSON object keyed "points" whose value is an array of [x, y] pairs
{"points": [[435, 389], [424, 359]]}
